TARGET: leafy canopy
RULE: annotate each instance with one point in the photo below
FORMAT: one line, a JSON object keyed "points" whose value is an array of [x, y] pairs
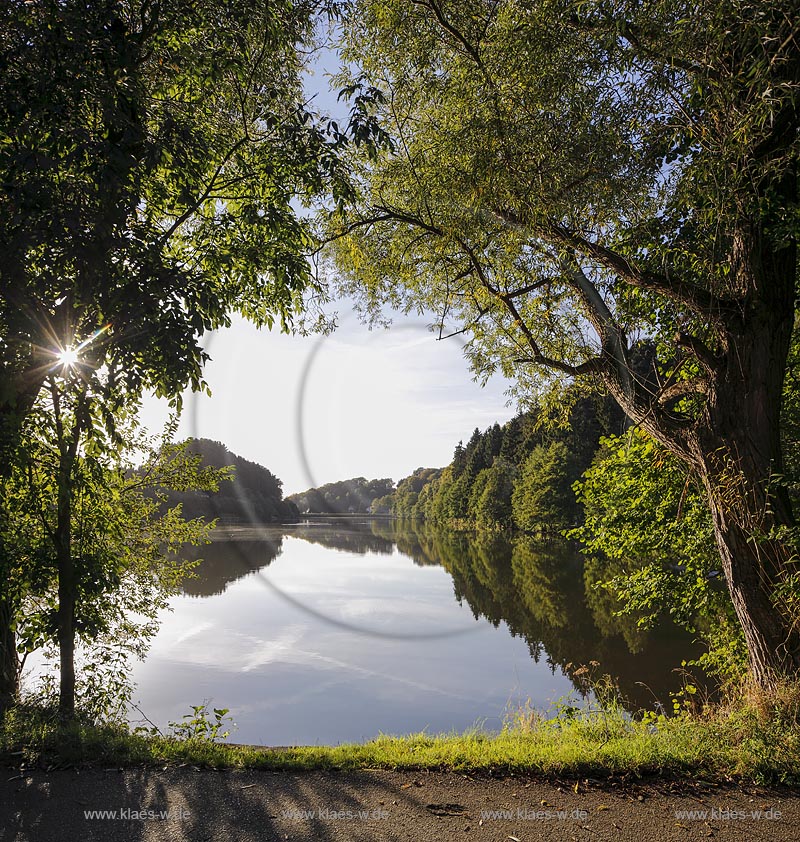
{"points": [[571, 177], [153, 160]]}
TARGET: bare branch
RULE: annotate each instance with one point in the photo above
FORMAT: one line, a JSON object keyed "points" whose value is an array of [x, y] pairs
{"points": [[699, 299], [612, 336], [715, 309], [593, 366], [448, 27], [528, 288]]}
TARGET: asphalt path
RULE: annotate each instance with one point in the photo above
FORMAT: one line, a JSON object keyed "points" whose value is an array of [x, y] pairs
{"points": [[179, 803]]}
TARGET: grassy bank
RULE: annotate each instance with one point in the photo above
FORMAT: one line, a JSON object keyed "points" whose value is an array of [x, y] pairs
{"points": [[756, 740]]}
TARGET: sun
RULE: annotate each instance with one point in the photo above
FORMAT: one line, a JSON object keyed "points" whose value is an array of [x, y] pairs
{"points": [[68, 357]]}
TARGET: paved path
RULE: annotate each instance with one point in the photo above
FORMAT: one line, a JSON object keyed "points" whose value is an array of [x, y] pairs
{"points": [[377, 806]]}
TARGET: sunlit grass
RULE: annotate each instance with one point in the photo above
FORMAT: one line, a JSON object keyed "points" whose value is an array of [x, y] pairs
{"points": [[754, 739]]}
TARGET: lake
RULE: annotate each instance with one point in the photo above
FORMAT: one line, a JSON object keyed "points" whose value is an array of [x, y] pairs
{"points": [[335, 631]]}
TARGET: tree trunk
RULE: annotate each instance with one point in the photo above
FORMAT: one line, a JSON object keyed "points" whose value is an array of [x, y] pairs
{"points": [[9, 667], [9, 670], [66, 650], [12, 414], [66, 591], [738, 448], [754, 567], [750, 511], [735, 445]]}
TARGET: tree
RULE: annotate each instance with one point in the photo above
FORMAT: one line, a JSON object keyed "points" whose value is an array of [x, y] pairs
{"points": [[346, 496], [152, 157], [87, 534], [490, 501], [648, 531], [542, 500], [254, 496], [570, 180], [492, 442]]}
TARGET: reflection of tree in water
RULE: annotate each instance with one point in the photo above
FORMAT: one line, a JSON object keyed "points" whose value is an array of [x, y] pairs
{"points": [[239, 551], [414, 543], [225, 561], [538, 590], [345, 535], [373, 535]]}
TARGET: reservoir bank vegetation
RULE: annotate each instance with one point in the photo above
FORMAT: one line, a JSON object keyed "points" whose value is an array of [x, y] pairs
{"points": [[599, 199]]}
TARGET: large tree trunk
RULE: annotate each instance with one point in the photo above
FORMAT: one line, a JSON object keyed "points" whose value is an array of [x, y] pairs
{"points": [[13, 410], [735, 445], [738, 448], [754, 567]]}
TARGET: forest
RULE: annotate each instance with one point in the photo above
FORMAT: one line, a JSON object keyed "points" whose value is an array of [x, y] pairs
{"points": [[350, 496], [250, 494], [598, 200]]}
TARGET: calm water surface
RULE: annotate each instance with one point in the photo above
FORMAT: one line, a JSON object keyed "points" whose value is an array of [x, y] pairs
{"points": [[330, 632]]}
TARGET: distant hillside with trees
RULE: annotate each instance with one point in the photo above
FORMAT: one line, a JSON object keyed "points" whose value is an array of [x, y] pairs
{"points": [[518, 475], [253, 495], [349, 496]]}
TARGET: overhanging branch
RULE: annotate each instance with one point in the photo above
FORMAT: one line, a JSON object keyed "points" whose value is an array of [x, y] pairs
{"points": [[717, 310]]}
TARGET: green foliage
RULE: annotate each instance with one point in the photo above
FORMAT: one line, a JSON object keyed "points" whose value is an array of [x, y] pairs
{"points": [[181, 131], [201, 725], [552, 140], [479, 486], [576, 189], [739, 741], [155, 160], [543, 499], [93, 541], [490, 498], [353, 496], [253, 496], [648, 529], [537, 588], [412, 495]]}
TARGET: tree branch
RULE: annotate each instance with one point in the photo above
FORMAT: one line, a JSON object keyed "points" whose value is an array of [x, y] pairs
{"points": [[683, 388], [472, 51], [206, 193], [696, 298], [699, 350], [717, 310]]}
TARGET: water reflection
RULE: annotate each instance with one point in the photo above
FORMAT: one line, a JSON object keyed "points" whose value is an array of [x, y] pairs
{"points": [[538, 590], [345, 535], [227, 559]]}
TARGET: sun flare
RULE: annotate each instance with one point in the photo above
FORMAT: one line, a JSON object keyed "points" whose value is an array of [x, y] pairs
{"points": [[68, 357]]}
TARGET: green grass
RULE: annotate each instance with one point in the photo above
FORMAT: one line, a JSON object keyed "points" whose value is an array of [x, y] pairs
{"points": [[743, 741]]}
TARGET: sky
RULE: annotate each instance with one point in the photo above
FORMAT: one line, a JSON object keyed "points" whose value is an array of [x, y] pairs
{"points": [[373, 403], [314, 410]]}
